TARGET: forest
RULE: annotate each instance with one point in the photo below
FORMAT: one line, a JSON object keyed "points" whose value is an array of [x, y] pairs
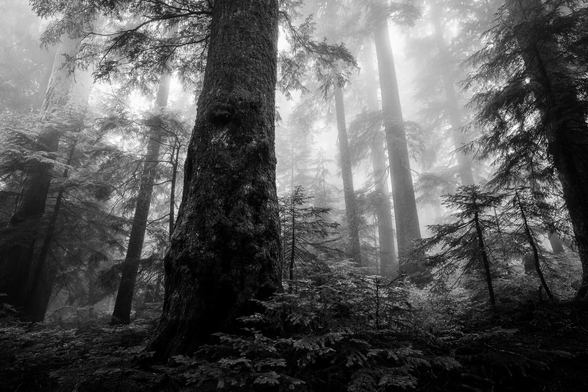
{"points": [[294, 195]]}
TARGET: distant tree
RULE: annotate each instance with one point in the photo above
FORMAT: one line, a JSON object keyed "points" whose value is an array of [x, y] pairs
{"points": [[307, 235], [407, 220], [124, 298], [376, 145], [351, 210], [225, 247], [25, 68], [67, 91]]}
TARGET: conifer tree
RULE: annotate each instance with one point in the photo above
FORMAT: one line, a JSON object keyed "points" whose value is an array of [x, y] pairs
{"points": [[407, 220], [68, 90], [124, 298], [535, 53], [225, 248]]}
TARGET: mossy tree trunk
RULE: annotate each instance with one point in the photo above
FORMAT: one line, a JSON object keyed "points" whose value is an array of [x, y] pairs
{"points": [[225, 247], [124, 297], [387, 248]]}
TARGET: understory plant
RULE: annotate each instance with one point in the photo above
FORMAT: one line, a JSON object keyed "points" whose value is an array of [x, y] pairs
{"points": [[333, 332]]}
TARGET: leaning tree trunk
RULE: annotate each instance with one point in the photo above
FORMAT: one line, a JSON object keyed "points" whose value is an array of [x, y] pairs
{"points": [[130, 268], [464, 162], [565, 120], [387, 249], [347, 174], [226, 243], [405, 211], [66, 89]]}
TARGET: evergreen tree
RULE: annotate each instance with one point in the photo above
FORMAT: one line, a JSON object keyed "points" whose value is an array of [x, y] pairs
{"points": [[532, 93], [307, 236], [67, 91], [124, 298], [467, 239], [407, 220], [225, 248]]}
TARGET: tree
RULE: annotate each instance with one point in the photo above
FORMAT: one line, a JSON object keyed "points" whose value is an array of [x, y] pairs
{"points": [[67, 91], [225, 247], [453, 108], [466, 239], [306, 235], [407, 220], [536, 53], [387, 249], [124, 298], [347, 174]]}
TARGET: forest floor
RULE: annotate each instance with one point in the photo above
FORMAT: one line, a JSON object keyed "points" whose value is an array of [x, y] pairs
{"points": [[527, 349]]}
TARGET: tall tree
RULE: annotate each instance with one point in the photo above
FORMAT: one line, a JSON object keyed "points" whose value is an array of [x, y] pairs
{"points": [[540, 49], [347, 174], [453, 111], [124, 297], [68, 90], [225, 247], [407, 219], [387, 249]]}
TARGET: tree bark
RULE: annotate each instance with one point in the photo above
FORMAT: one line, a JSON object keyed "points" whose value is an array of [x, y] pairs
{"points": [[347, 174], [225, 247], [126, 288], [407, 220], [464, 162], [387, 248], [565, 121], [67, 89]]}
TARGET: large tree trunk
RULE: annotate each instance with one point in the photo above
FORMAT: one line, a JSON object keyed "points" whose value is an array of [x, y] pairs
{"points": [[225, 247], [67, 90], [405, 211], [387, 249], [347, 174], [464, 162], [130, 268], [565, 119]]}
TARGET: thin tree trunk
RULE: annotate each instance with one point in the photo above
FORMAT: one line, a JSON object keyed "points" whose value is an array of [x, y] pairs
{"points": [[126, 288], [485, 262], [464, 162], [407, 220], [226, 245], [387, 248], [531, 241], [347, 174]]}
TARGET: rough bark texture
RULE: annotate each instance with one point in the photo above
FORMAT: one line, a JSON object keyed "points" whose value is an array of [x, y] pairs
{"points": [[464, 162], [387, 248], [347, 174], [66, 89], [225, 247], [126, 288], [407, 220], [564, 117]]}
